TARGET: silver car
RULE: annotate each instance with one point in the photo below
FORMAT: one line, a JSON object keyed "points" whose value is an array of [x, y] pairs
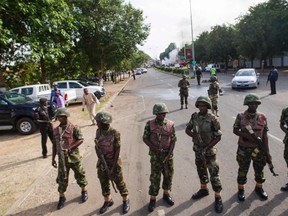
{"points": [[246, 78]]}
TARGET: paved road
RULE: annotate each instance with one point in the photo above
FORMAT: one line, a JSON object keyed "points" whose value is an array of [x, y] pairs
{"points": [[130, 110]]}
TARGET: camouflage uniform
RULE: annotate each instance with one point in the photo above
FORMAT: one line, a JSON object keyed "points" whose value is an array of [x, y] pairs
{"points": [[166, 131], [213, 93], [284, 122], [184, 91], [248, 151], [209, 128], [108, 141], [71, 133]]}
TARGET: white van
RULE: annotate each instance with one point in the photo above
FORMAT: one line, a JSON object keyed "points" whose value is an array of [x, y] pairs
{"points": [[35, 92]]}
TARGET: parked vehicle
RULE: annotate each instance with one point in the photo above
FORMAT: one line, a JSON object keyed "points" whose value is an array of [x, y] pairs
{"points": [[19, 112], [246, 78], [35, 92], [78, 85], [209, 66], [138, 71], [143, 70]]}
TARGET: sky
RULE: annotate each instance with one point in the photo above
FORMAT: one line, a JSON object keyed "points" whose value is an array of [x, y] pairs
{"points": [[170, 20]]}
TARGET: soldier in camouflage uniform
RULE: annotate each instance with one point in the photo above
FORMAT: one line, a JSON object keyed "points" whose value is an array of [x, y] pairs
{"points": [[251, 126], [213, 93], [183, 84], [67, 139], [284, 126], [204, 128], [159, 135], [107, 142]]}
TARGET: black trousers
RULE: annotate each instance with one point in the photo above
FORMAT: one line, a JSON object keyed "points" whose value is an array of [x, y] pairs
{"points": [[273, 87], [46, 131]]}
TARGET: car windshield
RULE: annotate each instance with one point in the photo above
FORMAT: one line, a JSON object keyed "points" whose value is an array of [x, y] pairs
{"points": [[83, 83], [16, 98], [245, 73]]}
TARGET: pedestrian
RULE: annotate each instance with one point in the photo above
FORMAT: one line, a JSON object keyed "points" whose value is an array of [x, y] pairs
{"points": [[251, 127], [68, 137], [284, 126], [204, 128], [133, 74], [54, 90], [184, 84], [198, 75], [60, 102], [107, 146], [46, 128], [90, 100], [213, 92], [273, 77], [213, 71], [159, 135]]}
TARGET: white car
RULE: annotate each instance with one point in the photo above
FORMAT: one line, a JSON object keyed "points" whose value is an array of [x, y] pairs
{"points": [[246, 78], [78, 85]]}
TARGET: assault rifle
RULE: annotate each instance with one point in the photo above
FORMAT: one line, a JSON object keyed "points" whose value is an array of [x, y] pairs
{"points": [[262, 148], [62, 158], [163, 155], [100, 155], [201, 145]]}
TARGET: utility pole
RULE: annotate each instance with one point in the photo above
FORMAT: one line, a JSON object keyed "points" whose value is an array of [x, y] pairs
{"points": [[193, 51]]}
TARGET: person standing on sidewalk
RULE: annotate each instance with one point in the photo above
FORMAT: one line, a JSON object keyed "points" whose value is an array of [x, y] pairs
{"points": [[159, 135], [184, 84], [45, 124], [107, 147], [198, 74], [251, 127], [90, 100], [284, 128], [273, 77], [68, 138], [204, 128]]}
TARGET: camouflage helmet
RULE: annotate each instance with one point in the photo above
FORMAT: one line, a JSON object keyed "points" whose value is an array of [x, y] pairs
{"points": [[213, 79], [62, 112], [252, 98], [104, 117], [160, 108], [184, 77], [42, 100], [205, 100]]}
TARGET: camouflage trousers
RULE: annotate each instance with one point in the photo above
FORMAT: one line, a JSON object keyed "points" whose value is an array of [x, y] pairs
{"points": [[157, 169], [214, 101], [183, 97], [117, 176], [244, 157], [212, 165], [79, 175], [285, 141]]}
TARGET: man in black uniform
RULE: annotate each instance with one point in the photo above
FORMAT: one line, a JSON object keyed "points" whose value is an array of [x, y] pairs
{"points": [[46, 127]]}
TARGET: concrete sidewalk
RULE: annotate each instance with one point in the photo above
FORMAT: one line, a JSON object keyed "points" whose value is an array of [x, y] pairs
{"points": [[41, 197]]}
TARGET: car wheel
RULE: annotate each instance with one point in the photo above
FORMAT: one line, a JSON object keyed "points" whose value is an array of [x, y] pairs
{"points": [[25, 126]]}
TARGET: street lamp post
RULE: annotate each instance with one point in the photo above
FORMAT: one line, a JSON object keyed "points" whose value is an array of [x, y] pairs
{"points": [[193, 51]]}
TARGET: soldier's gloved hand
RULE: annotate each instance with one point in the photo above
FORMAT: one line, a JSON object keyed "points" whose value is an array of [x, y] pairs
{"points": [[82, 109], [54, 163]]}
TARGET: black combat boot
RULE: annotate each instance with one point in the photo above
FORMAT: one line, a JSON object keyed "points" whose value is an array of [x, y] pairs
{"points": [[105, 206], [201, 193], [151, 205], [84, 196], [284, 188], [241, 195], [181, 107], [168, 199], [261, 193], [61, 202], [186, 106], [218, 205], [126, 206]]}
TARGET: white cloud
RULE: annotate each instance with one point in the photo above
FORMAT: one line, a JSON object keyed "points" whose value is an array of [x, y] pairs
{"points": [[170, 19]]}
